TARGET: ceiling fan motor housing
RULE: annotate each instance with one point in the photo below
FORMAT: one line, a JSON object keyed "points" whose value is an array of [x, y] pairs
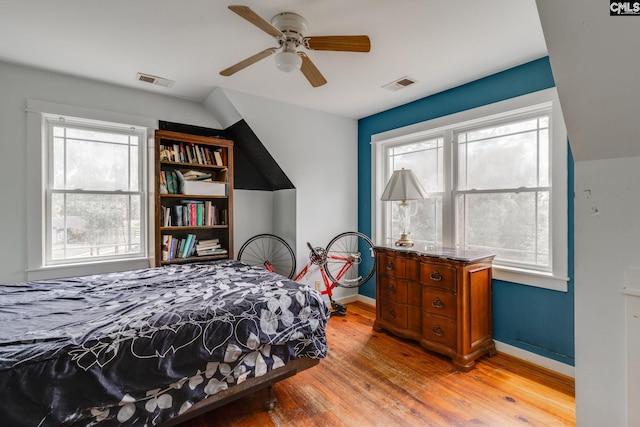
{"points": [[292, 25]]}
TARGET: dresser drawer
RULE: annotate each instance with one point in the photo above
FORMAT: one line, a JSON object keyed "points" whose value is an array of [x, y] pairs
{"points": [[439, 302], [393, 289], [437, 275], [393, 312], [439, 329], [393, 266]]}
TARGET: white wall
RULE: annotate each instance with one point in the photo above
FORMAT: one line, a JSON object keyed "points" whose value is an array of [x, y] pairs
{"points": [[285, 216], [607, 241], [17, 84], [318, 152], [252, 214]]}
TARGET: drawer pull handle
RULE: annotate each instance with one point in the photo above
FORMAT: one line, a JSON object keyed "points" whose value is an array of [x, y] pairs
{"points": [[390, 265], [437, 303], [392, 312], [436, 276], [392, 289], [437, 330]]}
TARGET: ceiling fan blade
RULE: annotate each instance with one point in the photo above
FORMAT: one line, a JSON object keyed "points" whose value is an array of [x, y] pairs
{"points": [[248, 14], [310, 71], [246, 62], [338, 43]]}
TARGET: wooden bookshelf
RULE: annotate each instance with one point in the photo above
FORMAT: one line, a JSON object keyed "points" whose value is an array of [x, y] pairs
{"points": [[191, 212]]}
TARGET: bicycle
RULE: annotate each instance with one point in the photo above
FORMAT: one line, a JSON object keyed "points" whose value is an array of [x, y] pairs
{"points": [[348, 261]]}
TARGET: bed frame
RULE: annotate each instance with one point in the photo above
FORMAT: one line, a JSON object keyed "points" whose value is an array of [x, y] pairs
{"points": [[246, 388]]}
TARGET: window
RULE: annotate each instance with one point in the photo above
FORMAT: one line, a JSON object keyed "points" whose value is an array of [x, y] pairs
{"points": [[88, 208], [94, 200], [496, 178], [503, 188]]}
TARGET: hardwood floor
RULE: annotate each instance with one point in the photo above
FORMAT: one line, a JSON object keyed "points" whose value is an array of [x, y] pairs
{"points": [[374, 379]]}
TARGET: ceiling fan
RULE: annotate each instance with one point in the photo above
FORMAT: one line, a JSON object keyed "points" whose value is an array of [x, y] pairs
{"points": [[289, 31]]}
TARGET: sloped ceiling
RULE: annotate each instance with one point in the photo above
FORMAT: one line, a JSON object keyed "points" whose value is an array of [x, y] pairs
{"points": [[439, 43], [596, 67]]}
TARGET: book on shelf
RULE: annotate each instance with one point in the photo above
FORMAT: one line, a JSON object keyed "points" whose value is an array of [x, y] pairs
{"points": [[208, 243], [179, 187], [186, 246], [166, 244], [178, 217], [163, 184], [212, 251], [192, 175], [218, 157], [172, 248]]}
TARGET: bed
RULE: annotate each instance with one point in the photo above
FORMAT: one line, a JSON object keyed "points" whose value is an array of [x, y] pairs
{"points": [[153, 346]]}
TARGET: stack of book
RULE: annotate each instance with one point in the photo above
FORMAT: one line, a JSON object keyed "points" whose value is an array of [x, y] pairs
{"points": [[210, 247]]}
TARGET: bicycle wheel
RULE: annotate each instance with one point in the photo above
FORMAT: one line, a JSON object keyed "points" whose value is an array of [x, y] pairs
{"points": [[350, 259], [267, 249]]}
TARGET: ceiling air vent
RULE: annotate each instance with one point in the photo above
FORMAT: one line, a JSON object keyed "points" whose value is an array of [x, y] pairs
{"points": [[401, 83], [148, 78]]}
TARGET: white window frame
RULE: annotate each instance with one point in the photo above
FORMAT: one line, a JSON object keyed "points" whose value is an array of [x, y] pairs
{"points": [[38, 112], [557, 278], [53, 120]]}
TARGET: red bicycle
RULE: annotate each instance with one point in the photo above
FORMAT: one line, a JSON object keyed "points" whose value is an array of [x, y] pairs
{"points": [[348, 261]]}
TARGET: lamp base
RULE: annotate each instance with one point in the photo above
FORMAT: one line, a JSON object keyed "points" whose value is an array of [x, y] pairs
{"points": [[404, 241]]}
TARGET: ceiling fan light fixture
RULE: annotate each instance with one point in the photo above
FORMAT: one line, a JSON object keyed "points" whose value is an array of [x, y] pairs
{"points": [[288, 61]]}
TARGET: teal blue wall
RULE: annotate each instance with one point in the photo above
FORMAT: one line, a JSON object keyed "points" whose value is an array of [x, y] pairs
{"points": [[531, 318]]}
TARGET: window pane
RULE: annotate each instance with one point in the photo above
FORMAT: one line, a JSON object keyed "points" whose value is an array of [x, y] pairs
{"points": [[133, 180], [95, 225], [545, 161], [504, 162], [424, 158], [95, 135], [97, 166], [501, 130], [544, 229], [511, 225], [58, 163], [425, 221], [509, 155]]}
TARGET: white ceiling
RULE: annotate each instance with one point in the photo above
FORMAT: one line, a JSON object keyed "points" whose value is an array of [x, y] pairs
{"points": [[441, 44]]}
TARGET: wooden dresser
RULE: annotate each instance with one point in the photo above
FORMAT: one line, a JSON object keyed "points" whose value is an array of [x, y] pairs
{"points": [[440, 298]]}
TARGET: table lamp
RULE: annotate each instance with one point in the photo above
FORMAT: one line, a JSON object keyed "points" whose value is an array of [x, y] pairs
{"points": [[402, 186]]}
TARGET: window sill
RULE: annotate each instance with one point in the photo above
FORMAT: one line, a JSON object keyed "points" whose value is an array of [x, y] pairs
{"points": [[531, 278], [85, 269]]}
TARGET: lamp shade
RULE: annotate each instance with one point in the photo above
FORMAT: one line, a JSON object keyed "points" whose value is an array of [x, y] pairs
{"points": [[403, 185], [288, 61]]}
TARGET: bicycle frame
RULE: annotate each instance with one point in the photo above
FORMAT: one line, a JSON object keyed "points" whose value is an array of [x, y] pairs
{"points": [[328, 284]]}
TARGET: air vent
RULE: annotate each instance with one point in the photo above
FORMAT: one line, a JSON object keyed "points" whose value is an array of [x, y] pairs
{"points": [[147, 78], [401, 83]]}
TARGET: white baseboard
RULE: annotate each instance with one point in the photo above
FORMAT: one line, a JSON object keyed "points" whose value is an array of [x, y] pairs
{"points": [[536, 359], [367, 300]]}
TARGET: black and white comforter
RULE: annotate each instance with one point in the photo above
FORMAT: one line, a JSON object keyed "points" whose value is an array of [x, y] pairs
{"points": [[139, 347]]}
